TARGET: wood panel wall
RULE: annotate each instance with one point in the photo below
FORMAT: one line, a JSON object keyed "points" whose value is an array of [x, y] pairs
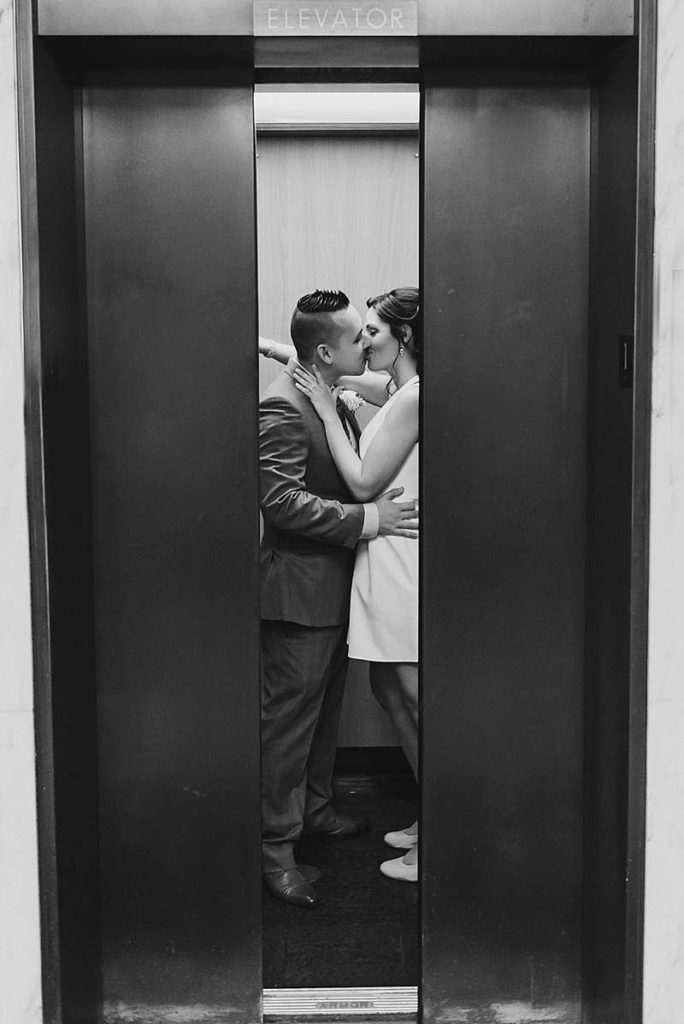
{"points": [[336, 212]]}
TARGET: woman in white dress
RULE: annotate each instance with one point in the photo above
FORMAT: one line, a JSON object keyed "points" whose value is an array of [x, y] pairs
{"points": [[383, 623]]}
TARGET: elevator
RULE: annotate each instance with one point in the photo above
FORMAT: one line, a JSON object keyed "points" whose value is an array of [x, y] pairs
{"points": [[144, 243]]}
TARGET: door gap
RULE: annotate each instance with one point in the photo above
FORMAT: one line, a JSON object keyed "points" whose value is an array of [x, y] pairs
{"points": [[338, 208]]}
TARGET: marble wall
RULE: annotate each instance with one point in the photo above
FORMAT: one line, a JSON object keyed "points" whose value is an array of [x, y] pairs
{"points": [[664, 936], [20, 996]]}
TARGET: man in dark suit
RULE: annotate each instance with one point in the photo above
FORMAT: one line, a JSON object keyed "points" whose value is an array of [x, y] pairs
{"points": [[311, 528]]}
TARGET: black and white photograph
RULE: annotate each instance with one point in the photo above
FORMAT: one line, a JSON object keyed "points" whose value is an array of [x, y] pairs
{"points": [[341, 505]]}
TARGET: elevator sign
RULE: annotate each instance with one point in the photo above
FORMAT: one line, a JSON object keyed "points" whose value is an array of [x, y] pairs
{"points": [[341, 18]]}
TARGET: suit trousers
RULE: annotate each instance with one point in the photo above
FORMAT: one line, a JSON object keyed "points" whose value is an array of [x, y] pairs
{"points": [[303, 672]]}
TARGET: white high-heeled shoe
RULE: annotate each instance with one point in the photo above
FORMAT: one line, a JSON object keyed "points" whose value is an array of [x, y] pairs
{"points": [[400, 870], [401, 840]]}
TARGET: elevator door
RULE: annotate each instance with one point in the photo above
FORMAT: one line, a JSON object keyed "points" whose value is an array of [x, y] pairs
{"points": [[170, 262], [171, 294], [505, 282]]}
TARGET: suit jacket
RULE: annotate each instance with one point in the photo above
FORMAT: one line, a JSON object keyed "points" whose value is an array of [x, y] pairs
{"points": [[311, 523]]}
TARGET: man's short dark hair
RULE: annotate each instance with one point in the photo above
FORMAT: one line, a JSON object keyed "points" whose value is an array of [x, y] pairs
{"points": [[311, 324]]}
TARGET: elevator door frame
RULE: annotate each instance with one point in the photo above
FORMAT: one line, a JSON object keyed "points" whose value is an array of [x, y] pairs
{"points": [[35, 371]]}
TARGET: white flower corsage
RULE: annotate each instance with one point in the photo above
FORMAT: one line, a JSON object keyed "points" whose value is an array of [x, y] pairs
{"points": [[351, 399]]}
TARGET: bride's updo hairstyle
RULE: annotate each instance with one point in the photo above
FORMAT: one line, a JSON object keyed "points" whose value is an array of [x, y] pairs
{"points": [[399, 308]]}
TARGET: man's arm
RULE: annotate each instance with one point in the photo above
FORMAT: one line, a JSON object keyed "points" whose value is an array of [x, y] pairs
{"points": [[285, 502], [371, 385]]}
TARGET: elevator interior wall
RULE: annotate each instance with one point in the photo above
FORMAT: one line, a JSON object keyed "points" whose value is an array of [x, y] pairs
{"points": [[340, 211]]}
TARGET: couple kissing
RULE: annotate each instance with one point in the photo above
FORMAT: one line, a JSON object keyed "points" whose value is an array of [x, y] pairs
{"points": [[339, 562]]}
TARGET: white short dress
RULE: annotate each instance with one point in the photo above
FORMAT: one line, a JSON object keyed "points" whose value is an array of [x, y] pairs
{"points": [[383, 616]]}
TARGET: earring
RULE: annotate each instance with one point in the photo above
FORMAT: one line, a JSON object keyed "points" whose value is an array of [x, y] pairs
{"points": [[401, 350]]}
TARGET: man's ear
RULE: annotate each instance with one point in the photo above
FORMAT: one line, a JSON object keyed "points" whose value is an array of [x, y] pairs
{"points": [[324, 354]]}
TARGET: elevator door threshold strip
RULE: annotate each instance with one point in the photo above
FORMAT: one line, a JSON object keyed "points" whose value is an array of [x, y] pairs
{"points": [[341, 1002]]}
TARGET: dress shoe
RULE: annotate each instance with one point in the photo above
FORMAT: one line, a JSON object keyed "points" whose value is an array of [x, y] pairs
{"points": [[400, 870], [292, 887], [401, 840], [340, 827], [309, 872]]}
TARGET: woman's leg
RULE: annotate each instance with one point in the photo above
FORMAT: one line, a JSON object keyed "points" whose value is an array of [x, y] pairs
{"points": [[395, 687]]}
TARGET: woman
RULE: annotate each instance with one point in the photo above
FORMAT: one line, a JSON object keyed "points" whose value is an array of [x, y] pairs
{"points": [[383, 623]]}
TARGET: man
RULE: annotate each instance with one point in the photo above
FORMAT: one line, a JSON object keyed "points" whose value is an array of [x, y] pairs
{"points": [[311, 527]]}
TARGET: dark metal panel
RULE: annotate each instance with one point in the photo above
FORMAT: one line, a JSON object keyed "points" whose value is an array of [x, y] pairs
{"points": [[36, 494], [190, 60], [506, 197], [611, 314], [59, 503], [170, 229], [362, 53], [299, 60]]}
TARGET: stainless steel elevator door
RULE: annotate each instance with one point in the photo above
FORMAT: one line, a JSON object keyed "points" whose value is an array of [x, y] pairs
{"points": [[505, 282], [170, 263]]}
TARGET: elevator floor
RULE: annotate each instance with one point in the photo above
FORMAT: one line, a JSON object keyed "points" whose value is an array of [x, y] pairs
{"points": [[364, 932]]}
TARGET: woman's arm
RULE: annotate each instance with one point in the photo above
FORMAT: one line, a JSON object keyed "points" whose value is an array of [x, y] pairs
{"points": [[371, 385], [276, 350], [389, 449]]}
